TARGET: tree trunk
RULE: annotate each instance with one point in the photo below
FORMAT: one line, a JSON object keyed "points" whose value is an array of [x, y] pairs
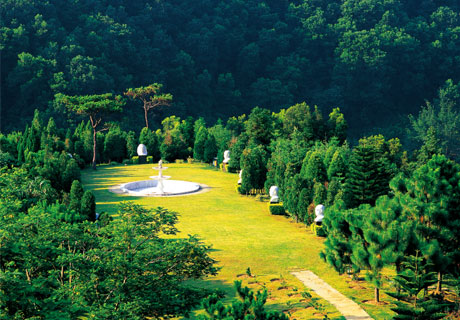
{"points": [[439, 285], [146, 118], [377, 295], [94, 149]]}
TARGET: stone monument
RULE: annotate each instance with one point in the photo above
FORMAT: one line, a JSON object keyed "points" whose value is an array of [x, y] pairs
{"points": [[274, 198], [226, 156], [319, 212], [142, 153]]}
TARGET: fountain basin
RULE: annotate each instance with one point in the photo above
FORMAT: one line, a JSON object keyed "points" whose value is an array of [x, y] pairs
{"points": [[150, 188]]}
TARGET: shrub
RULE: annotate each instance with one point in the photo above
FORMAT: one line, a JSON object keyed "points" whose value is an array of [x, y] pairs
{"points": [[135, 159], [114, 163], [149, 159], [127, 161], [276, 209]]}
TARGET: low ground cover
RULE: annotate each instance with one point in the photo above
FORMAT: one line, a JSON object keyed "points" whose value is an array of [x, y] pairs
{"points": [[243, 234]]}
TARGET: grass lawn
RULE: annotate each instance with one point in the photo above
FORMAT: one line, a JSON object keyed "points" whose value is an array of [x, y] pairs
{"points": [[243, 234]]}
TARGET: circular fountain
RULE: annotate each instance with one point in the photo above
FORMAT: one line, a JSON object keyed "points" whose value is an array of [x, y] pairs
{"points": [[159, 185]]}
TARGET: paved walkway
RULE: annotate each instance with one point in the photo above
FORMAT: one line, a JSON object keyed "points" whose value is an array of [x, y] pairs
{"points": [[348, 308]]}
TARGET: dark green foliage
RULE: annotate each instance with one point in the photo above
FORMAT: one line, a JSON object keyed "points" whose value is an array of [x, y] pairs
{"points": [[305, 199], [315, 170], [115, 145], [338, 246], [337, 125], [131, 144], [430, 198], [356, 55], [414, 278], [250, 305], [125, 259], [368, 175], [337, 167], [88, 206], [333, 188], [319, 193], [210, 149], [150, 140], [276, 209], [200, 143], [259, 126], [76, 195], [236, 150], [253, 164]]}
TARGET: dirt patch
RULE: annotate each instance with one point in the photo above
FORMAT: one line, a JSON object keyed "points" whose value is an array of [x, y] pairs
{"points": [[274, 279], [380, 303], [283, 288], [356, 287]]}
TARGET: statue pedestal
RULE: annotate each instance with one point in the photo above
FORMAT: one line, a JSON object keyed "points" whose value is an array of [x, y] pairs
{"points": [[142, 159]]}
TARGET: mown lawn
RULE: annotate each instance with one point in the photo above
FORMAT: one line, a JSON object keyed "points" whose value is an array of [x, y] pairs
{"points": [[243, 234]]}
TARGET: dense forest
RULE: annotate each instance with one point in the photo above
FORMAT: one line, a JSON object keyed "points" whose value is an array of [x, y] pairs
{"points": [[376, 60]]}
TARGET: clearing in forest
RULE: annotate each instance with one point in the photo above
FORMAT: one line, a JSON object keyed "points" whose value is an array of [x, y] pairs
{"points": [[243, 234]]}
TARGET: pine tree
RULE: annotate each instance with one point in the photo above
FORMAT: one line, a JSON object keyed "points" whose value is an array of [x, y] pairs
{"points": [[337, 168], [253, 164], [431, 197], [200, 142], [412, 280], [338, 247], [315, 170], [367, 177], [76, 194], [304, 201], [333, 188], [319, 193], [88, 206], [210, 149]]}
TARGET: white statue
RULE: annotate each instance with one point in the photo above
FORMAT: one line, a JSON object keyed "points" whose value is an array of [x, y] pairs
{"points": [[160, 164], [226, 156], [141, 150], [319, 212], [274, 194], [241, 179]]}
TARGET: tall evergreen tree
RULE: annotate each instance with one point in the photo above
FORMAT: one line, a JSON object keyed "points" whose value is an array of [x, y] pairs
{"points": [[367, 177], [76, 194]]}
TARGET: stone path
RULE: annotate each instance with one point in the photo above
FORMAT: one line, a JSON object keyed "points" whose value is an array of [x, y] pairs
{"points": [[348, 308]]}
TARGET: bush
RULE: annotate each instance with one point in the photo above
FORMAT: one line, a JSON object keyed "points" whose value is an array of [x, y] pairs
{"points": [[135, 159], [127, 161], [114, 163], [149, 159], [276, 209]]}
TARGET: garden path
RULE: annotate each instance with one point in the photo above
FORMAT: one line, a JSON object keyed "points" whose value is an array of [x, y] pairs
{"points": [[348, 308]]}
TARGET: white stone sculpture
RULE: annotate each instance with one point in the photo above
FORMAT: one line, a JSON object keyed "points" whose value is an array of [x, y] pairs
{"points": [[319, 212], [226, 156], [141, 150], [241, 179], [274, 194]]}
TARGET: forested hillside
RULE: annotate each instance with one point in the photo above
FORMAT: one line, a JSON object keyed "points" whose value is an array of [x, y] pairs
{"points": [[375, 59]]}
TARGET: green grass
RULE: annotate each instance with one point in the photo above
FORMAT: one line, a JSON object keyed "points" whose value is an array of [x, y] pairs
{"points": [[242, 232]]}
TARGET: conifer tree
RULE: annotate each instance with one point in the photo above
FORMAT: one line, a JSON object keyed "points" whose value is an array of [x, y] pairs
{"points": [[431, 199], [338, 246], [76, 195], [88, 206], [200, 142], [319, 193], [337, 125], [150, 140], [412, 280], [333, 188], [367, 178], [253, 164], [210, 149], [337, 168], [305, 199], [315, 170]]}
